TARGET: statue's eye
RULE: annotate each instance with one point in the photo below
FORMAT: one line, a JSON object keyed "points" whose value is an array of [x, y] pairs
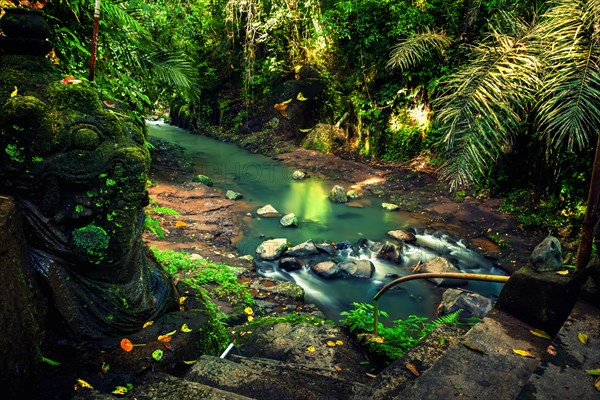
{"points": [[85, 138]]}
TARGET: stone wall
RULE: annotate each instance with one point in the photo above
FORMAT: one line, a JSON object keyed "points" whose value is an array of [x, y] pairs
{"points": [[20, 335]]}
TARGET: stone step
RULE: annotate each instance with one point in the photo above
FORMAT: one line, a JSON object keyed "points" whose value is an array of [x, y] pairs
{"points": [[269, 379], [563, 376], [396, 377], [161, 386], [482, 365]]}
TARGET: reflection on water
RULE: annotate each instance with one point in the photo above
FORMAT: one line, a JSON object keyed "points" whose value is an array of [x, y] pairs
{"points": [[264, 181]]}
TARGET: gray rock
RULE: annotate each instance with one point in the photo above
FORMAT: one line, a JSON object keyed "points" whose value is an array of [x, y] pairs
{"points": [[440, 264], [289, 264], [547, 256], [289, 290], [299, 175], [338, 194], [289, 220], [391, 252], [231, 195], [402, 235], [267, 211], [358, 268], [472, 304], [203, 179], [327, 270], [270, 250], [305, 249], [390, 206], [326, 247]]}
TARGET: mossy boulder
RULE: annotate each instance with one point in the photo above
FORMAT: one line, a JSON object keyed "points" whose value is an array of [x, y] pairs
{"points": [[205, 180]]}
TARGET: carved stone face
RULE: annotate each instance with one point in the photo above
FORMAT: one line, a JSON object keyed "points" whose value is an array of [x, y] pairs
{"points": [[80, 169]]}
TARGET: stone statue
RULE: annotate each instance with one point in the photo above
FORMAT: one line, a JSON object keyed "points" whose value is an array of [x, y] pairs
{"points": [[78, 169]]}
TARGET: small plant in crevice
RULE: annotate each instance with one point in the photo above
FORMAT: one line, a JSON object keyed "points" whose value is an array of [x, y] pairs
{"points": [[393, 340]]}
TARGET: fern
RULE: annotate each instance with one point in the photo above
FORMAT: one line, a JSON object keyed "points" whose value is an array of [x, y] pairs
{"points": [[451, 318], [164, 211]]}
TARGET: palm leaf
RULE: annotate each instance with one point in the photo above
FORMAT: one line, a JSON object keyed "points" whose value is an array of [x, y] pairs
{"points": [[569, 103], [483, 104], [411, 51]]}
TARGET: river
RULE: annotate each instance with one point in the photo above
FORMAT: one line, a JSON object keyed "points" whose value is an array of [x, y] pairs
{"points": [[263, 180]]}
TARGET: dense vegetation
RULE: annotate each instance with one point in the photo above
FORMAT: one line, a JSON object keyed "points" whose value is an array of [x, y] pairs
{"points": [[502, 95]]}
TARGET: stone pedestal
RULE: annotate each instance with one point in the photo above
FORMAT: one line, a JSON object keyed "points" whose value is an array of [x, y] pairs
{"points": [[541, 299]]}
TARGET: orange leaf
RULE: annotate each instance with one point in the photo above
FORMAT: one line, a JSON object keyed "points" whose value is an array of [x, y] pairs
{"points": [[126, 345], [70, 80], [412, 368], [551, 350], [330, 343], [337, 367], [164, 338], [167, 345], [109, 104], [180, 224]]}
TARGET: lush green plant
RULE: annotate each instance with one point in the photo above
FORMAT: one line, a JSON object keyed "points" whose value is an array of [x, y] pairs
{"points": [[202, 273], [153, 225], [397, 338]]}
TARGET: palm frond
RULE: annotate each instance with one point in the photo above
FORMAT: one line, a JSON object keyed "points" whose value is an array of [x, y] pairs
{"points": [[483, 104], [411, 51], [171, 68], [569, 103]]}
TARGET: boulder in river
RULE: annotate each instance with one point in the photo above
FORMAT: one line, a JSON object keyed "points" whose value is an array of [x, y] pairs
{"points": [[390, 206], [205, 180], [231, 195], [402, 236], [391, 252], [353, 194], [299, 175], [472, 304], [289, 264], [440, 264], [358, 268], [270, 250], [338, 194], [289, 220], [327, 247], [267, 211], [327, 270], [547, 256], [305, 249]]}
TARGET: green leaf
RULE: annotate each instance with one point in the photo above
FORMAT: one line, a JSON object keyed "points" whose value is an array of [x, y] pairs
{"points": [[540, 333], [593, 372], [157, 354], [50, 362]]}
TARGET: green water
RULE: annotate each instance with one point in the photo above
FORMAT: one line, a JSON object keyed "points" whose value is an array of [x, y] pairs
{"points": [[263, 180]]}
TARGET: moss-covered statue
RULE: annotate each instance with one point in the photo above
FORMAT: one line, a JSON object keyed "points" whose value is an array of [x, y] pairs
{"points": [[78, 170]]}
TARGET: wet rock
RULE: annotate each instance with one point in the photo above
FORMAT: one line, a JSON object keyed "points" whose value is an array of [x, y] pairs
{"points": [[391, 252], [338, 194], [326, 247], [231, 195], [267, 211], [358, 268], [343, 245], [205, 180], [402, 235], [390, 206], [289, 290], [472, 304], [299, 175], [305, 249], [272, 249], [355, 204], [327, 270], [547, 256], [289, 220], [196, 257], [289, 264], [353, 194], [440, 264]]}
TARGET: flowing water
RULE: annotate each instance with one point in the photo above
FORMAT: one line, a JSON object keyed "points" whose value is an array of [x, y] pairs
{"points": [[263, 180]]}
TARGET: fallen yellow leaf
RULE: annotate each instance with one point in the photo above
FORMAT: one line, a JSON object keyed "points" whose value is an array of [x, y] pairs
{"points": [[250, 318], [583, 338], [83, 384], [540, 333], [14, 93], [185, 328], [474, 348], [120, 390], [339, 342], [597, 384], [249, 310], [189, 362], [563, 272], [378, 339], [306, 130], [180, 224], [147, 324], [300, 97], [182, 299], [330, 343], [523, 353], [311, 349]]}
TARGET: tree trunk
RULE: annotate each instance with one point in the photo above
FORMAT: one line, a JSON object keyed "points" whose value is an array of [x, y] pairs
{"points": [[587, 231], [94, 40]]}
